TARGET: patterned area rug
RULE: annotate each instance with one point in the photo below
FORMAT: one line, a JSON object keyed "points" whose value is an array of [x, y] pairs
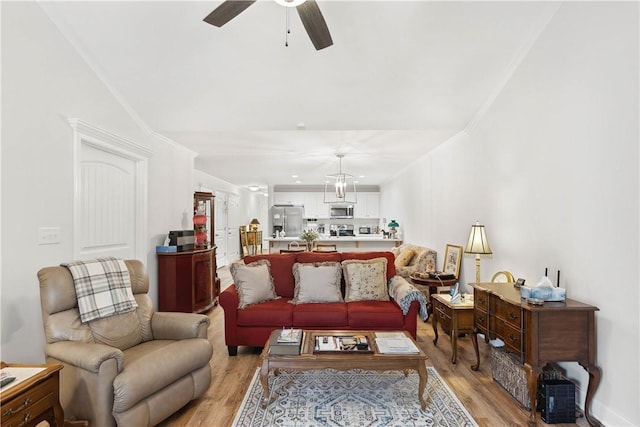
{"points": [[353, 398]]}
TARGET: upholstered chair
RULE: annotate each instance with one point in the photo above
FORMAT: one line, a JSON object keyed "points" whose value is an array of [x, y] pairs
{"points": [[131, 369]]}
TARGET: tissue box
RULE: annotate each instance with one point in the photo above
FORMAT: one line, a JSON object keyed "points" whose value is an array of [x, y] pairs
{"points": [[525, 291], [166, 249], [543, 293], [558, 294]]}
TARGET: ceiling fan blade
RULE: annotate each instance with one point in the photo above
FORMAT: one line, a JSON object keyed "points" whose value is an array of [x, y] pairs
{"points": [[227, 11], [315, 24]]}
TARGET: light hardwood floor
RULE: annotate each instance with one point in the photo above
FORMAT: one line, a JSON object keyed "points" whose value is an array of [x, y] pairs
{"points": [[487, 402]]}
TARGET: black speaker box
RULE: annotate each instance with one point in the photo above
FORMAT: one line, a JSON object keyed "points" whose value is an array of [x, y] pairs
{"points": [[557, 401]]}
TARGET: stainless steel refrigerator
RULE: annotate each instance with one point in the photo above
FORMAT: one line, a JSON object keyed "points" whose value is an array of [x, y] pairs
{"points": [[287, 219]]}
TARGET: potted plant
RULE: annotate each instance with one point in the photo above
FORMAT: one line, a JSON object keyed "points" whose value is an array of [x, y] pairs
{"points": [[309, 236]]}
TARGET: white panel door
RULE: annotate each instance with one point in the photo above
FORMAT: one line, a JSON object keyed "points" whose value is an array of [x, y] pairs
{"points": [[233, 232], [106, 205], [220, 234]]}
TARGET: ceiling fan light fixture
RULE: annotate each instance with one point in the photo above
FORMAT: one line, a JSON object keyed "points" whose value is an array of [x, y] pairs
{"points": [[289, 3]]}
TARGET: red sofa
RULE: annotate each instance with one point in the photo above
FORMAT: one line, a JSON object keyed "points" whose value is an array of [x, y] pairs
{"points": [[252, 325]]}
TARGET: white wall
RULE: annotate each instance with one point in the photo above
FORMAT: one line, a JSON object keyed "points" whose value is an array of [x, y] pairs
{"points": [[551, 169], [44, 81]]}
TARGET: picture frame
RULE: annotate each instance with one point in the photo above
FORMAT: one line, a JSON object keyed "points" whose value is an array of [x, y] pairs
{"points": [[452, 260]]}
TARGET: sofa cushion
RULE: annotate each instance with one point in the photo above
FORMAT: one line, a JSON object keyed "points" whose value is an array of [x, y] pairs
{"points": [[317, 282], [404, 257], [134, 382], [375, 314], [121, 331], [365, 279], [320, 315], [253, 282], [276, 312], [391, 269], [281, 271]]}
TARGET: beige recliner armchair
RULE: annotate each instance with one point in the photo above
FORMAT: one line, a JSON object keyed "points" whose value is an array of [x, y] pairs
{"points": [[131, 369]]}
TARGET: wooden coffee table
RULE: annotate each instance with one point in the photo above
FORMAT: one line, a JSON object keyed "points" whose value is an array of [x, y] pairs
{"points": [[374, 361]]}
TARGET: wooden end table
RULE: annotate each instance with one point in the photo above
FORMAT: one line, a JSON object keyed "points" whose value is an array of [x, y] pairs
{"points": [[430, 287], [455, 319], [33, 397], [376, 361]]}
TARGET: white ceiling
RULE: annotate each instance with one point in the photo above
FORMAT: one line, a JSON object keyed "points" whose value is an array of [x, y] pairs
{"points": [[401, 78]]}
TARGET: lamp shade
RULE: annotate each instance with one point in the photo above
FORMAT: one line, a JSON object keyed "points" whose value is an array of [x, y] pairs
{"points": [[255, 221], [477, 243], [393, 223]]}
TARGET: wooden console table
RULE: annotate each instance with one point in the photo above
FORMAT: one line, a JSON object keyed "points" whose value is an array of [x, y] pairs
{"points": [[33, 398], [540, 334]]}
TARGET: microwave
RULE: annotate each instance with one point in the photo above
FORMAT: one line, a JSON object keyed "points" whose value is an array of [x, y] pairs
{"points": [[341, 211]]}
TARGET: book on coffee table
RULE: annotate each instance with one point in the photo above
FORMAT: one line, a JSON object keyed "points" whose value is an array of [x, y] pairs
{"points": [[395, 343], [285, 343], [341, 344], [290, 335]]}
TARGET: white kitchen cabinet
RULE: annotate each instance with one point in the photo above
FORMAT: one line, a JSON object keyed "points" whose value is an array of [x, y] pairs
{"points": [[368, 206], [288, 198], [314, 206]]}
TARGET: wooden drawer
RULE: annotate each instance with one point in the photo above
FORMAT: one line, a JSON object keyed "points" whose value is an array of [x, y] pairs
{"points": [[481, 299], [30, 405], [444, 317], [512, 337], [510, 313], [480, 320]]}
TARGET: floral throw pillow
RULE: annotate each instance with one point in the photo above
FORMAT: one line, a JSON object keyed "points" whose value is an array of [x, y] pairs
{"points": [[253, 282], [365, 280], [317, 282], [404, 258]]}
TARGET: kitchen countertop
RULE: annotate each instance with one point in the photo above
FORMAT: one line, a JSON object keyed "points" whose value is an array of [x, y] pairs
{"points": [[365, 237]]}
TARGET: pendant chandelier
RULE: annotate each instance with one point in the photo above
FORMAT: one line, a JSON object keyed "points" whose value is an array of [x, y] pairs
{"points": [[340, 187]]}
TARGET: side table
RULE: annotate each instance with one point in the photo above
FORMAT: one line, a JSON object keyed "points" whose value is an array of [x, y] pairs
{"points": [[430, 286], [455, 319], [33, 397]]}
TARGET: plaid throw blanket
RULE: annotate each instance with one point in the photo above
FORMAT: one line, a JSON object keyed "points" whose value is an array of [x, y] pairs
{"points": [[404, 293], [103, 287]]}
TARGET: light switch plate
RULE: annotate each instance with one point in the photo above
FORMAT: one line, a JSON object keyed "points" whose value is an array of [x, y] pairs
{"points": [[48, 235]]}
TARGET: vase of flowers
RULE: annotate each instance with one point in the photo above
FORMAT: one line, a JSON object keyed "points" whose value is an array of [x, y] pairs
{"points": [[309, 236]]}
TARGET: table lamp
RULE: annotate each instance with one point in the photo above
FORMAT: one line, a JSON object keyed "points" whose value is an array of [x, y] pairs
{"points": [[392, 228], [478, 245], [253, 225]]}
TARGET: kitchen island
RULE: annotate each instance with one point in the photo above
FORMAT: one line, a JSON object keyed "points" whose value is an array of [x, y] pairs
{"points": [[361, 243]]}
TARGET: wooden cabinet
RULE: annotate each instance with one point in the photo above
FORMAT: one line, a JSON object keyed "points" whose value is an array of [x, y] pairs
{"points": [[203, 219], [552, 332], [187, 281], [34, 398]]}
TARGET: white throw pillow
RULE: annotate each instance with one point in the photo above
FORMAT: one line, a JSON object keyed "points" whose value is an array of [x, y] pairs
{"points": [[365, 280], [253, 282], [317, 282]]}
